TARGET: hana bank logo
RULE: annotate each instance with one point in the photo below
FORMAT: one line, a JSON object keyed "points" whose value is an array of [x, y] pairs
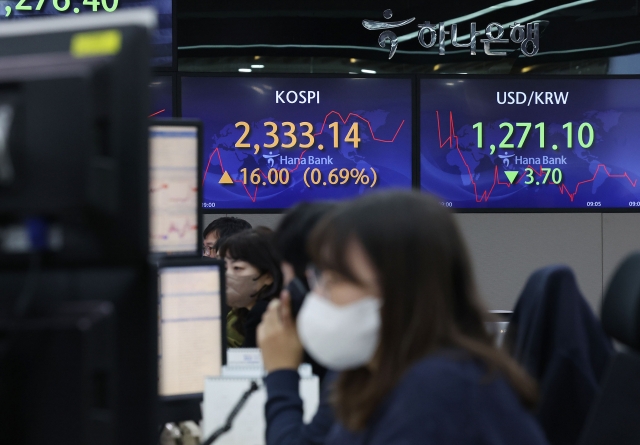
{"points": [[528, 36]]}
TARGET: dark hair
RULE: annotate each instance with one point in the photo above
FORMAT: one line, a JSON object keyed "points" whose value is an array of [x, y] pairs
{"points": [[264, 230], [429, 296], [226, 226], [255, 247], [293, 232]]}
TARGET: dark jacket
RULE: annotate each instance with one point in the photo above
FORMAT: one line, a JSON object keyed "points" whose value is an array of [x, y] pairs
{"points": [[251, 321], [283, 411], [447, 400], [555, 336], [439, 401]]}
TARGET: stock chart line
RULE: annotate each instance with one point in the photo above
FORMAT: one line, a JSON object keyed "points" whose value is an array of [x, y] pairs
{"points": [[165, 186], [563, 188], [344, 121], [158, 112], [496, 179], [181, 231]]}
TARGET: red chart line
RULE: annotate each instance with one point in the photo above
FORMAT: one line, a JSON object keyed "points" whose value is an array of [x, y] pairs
{"points": [[181, 231], [344, 121], [162, 187], [158, 112], [496, 180]]}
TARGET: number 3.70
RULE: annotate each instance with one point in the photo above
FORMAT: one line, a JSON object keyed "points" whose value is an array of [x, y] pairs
{"points": [[556, 175]]}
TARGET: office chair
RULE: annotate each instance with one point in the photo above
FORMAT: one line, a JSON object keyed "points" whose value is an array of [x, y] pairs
{"points": [[615, 416], [557, 338]]}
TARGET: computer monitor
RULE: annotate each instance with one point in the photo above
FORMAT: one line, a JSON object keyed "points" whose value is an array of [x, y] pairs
{"points": [[174, 157], [73, 156], [74, 228], [191, 334]]}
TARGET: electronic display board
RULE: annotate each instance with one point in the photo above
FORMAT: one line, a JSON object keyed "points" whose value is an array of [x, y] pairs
{"points": [[162, 39], [161, 96], [531, 143], [272, 142]]}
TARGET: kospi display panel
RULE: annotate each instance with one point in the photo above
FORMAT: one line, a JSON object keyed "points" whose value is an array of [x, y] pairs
{"points": [[530, 143], [272, 142], [162, 48]]}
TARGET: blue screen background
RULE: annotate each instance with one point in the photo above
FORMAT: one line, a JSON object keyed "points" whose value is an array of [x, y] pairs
{"points": [[467, 177], [219, 102]]}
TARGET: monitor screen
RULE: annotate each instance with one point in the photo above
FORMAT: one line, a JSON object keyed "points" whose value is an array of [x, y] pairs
{"points": [[162, 39], [161, 96], [272, 142], [173, 176], [190, 334], [531, 144]]}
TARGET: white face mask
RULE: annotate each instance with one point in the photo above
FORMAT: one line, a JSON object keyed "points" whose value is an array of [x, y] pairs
{"points": [[339, 337]]}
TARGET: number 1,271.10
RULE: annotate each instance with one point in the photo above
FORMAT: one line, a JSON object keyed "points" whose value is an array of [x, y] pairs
{"points": [[585, 134]]}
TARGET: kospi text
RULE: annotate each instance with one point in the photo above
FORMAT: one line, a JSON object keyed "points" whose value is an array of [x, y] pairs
{"points": [[297, 97]]}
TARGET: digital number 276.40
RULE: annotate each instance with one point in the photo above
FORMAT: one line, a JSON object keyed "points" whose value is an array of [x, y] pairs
{"points": [[66, 4]]}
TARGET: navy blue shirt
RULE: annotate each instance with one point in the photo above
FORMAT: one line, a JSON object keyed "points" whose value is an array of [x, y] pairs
{"points": [[440, 400], [283, 411]]}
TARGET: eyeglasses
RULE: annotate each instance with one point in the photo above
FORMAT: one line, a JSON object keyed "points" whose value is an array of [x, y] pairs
{"points": [[208, 251]]}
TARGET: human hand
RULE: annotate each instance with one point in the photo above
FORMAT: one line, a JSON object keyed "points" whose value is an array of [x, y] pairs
{"points": [[277, 336]]}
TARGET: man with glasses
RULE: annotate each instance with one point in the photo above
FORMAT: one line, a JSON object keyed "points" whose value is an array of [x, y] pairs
{"points": [[219, 230]]}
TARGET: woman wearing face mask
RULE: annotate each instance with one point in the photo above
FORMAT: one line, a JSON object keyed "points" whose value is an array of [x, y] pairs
{"points": [[281, 350], [253, 278], [393, 307]]}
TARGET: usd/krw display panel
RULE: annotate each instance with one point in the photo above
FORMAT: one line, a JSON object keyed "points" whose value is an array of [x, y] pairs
{"points": [[531, 144]]}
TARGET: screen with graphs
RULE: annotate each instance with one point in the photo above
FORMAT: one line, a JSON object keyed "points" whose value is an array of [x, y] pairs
{"points": [[190, 334], [531, 143], [173, 200], [272, 142]]}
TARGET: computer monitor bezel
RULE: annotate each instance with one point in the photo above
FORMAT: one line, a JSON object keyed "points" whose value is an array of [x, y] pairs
{"points": [[173, 262], [173, 122], [104, 249]]}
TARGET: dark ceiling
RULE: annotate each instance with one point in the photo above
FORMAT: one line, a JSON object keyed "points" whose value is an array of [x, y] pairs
{"points": [[577, 30]]}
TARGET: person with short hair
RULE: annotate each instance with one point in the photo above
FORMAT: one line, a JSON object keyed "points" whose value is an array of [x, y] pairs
{"points": [[219, 230], [291, 236], [286, 427], [253, 278]]}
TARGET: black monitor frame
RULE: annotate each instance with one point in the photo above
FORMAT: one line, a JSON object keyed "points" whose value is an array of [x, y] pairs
{"points": [[104, 251]]}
